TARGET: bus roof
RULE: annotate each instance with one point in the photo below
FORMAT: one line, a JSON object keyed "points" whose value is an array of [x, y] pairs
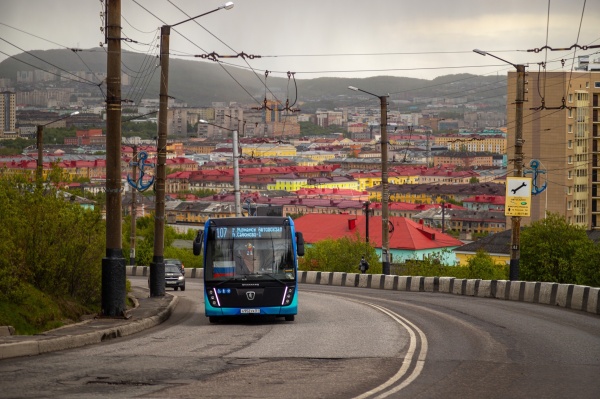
{"points": [[249, 221]]}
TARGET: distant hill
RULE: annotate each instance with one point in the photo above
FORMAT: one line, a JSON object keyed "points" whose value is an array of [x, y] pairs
{"points": [[199, 83]]}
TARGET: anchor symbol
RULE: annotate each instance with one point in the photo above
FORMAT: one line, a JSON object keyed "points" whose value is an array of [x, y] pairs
{"points": [[535, 164], [139, 184]]}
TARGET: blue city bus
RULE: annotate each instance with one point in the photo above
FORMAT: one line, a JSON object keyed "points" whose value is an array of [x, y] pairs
{"points": [[250, 266]]}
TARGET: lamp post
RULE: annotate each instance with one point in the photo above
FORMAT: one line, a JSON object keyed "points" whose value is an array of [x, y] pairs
{"points": [[515, 251], [157, 266], [367, 211], [40, 146], [385, 232], [236, 167]]}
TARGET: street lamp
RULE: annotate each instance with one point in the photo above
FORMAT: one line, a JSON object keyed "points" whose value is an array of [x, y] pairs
{"points": [[40, 145], [236, 167], [157, 266], [515, 220], [385, 232]]}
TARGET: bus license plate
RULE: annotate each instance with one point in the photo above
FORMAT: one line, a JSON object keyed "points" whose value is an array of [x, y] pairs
{"points": [[250, 311]]}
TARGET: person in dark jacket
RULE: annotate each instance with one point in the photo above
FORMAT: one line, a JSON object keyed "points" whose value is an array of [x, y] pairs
{"points": [[363, 265]]}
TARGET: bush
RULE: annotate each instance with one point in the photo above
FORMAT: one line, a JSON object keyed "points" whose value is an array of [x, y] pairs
{"points": [[341, 255], [52, 244]]}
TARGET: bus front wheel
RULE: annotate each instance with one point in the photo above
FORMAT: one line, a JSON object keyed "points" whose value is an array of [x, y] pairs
{"points": [[289, 317], [213, 319]]}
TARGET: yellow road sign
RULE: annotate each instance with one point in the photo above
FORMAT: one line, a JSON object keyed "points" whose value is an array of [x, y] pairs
{"points": [[518, 196]]}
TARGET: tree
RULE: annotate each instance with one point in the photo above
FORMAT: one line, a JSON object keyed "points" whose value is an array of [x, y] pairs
{"points": [[552, 250], [49, 243], [588, 271], [144, 246], [340, 255], [482, 266]]}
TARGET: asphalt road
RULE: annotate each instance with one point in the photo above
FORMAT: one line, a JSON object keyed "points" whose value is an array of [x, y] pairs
{"points": [[345, 342]]}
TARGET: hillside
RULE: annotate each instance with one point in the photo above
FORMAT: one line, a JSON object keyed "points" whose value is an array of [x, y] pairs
{"points": [[199, 82]]}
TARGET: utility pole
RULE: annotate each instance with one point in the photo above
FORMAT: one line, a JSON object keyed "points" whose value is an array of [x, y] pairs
{"points": [[385, 195], [443, 217], [515, 249], [157, 266], [236, 167], [367, 211], [236, 175], [385, 228], [515, 252], [113, 265], [39, 171], [40, 149], [133, 212]]}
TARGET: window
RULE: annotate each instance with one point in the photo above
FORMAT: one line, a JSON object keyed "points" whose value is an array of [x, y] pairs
{"points": [[570, 144], [570, 175], [597, 85], [570, 113], [570, 160], [570, 97], [569, 128]]}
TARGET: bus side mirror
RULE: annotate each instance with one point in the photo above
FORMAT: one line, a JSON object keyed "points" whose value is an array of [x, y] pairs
{"points": [[299, 244], [197, 245]]}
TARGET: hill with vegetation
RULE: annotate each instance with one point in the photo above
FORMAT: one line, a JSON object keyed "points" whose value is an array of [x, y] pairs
{"points": [[201, 82]]}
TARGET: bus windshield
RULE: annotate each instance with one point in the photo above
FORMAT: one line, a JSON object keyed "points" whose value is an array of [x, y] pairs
{"points": [[250, 252]]}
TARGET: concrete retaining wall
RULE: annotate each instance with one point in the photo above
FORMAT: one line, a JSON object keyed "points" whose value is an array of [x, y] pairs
{"points": [[576, 297]]}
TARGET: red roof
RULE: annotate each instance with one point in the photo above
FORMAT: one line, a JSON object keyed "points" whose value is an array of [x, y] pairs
{"points": [[487, 199], [406, 234]]}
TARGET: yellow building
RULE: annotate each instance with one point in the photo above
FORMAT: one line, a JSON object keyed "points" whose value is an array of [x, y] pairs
{"points": [[499, 259], [473, 142], [288, 183], [497, 246], [268, 150], [370, 180], [338, 182], [411, 198], [318, 156]]}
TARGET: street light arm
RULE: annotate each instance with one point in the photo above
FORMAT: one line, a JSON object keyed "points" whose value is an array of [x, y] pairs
{"points": [[60, 119], [204, 122], [364, 91], [484, 53], [226, 6], [367, 92]]}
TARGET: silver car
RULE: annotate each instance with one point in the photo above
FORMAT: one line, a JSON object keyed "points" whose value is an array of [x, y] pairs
{"points": [[173, 277]]}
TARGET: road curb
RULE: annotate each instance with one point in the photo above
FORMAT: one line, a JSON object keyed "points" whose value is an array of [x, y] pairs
{"points": [[74, 338]]}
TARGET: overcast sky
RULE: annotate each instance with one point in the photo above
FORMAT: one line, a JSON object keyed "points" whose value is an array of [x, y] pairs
{"points": [[313, 38]]}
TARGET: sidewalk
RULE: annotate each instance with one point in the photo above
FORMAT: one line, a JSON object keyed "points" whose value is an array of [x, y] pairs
{"points": [[147, 313]]}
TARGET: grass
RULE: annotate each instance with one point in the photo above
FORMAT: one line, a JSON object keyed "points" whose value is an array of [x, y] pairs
{"points": [[39, 312]]}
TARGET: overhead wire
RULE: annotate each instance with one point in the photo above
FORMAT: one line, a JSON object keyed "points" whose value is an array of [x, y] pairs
{"points": [[79, 79], [577, 40], [229, 47], [196, 45]]}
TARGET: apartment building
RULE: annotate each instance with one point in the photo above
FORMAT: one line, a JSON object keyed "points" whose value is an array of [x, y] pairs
{"points": [[561, 130], [473, 142], [8, 115]]}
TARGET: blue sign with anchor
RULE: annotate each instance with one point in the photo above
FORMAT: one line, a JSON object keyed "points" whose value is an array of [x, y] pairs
{"points": [[141, 164], [535, 164]]}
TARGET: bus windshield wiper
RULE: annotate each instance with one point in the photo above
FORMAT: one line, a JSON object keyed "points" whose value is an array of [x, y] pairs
{"points": [[273, 277], [224, 281]]}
